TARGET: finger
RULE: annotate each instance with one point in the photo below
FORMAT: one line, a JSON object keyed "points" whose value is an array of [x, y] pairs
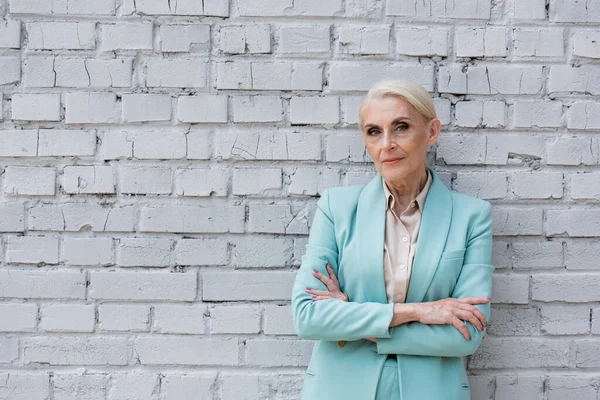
{"points": [[317, 292], [474, 300], [458, 324], [475, 311], [317, 298], [469, 316], [332, 275], [326, 281]]}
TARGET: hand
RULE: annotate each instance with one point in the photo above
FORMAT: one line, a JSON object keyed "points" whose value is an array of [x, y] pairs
{"points": [[453, 311], [371, 339], [333, 287]]}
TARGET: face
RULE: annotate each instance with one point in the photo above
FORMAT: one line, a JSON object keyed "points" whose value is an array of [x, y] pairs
{"points": [[393, 129]]}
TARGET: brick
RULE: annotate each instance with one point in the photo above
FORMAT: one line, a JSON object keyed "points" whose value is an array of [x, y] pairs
{"points": [[417, 41], [18, 317], [10, 34], [183, 386], [565, 319], [202, 182], [146, 107], [573, 223], [94, 385], [582, 254], [481, 386], [537, 185], [24, 386], [529, 10], [595, 321], [473, 114], [235, 319], [91, 108], [118, 144], [314, 110], [179, 73], [87, 251], [61, 36], [50, 284], [182, 319], [462, 149], [514, 149], [145, 180], [193, 219], [9, 349], [519, 387], [123, 317], [542, 114], [254, 181], [133, 385], [572, 151], [32, 250], [580, 11], [577, 387], [312, 181], [349, 148], [278, 219], [278, 353], [491, 79], [304, 39], [145, 252], [587, 354], [304, 8], [278, 320], [201, 251], [184, 7], [79, 72], [363, 39], [280, 75], [29, 181], [268, 145], [126, 36], [501, 254], [68, 318], [560, 287], [586, 43], [471, 9], [64, 143], [184, 38], [237, 387], [537, 255], [159, 144], [242, 39], [538, 42], [36, 107], [582, 79], [484, 185], [516, 221], [510, 289], [585, 186], [89, 179], [143, 286], [355, 76], [520, 353], [361, 8], [81, 216], [12, 217], [18, 143], [248, 286], [584, 115], [513, 322], [261, 252], [202, 109], [80, 350], [100, 7], [10, 70], [481, 42], [257, 109], [181, 350]]}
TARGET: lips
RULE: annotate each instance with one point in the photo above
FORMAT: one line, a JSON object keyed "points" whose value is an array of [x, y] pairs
{"points": [[391, 160]]}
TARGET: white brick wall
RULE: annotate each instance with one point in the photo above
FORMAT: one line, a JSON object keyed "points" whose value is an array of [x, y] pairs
{"points": [[160, 163]]}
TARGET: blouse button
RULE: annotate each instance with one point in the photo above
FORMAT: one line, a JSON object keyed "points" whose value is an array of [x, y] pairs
{"points": [[402, 266], [405, 239]]}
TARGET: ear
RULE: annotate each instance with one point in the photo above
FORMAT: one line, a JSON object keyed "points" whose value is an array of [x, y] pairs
{"points": [[434, 128]]}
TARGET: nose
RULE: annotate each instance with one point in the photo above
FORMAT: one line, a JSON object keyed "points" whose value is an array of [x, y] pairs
{"points": [[387, 140]]}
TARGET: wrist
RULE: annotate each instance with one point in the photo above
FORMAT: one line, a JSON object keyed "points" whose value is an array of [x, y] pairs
{"points": [[403, 313]]}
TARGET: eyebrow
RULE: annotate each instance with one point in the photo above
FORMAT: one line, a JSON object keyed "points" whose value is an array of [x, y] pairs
{"points": [[395, 121]]}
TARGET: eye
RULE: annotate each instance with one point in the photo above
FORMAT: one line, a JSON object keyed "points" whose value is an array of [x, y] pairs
{"points": [[372, 132], [402, 127]]}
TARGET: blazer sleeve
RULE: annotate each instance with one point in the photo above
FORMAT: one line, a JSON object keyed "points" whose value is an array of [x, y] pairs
{"points": [[331, 319], [475, 279]]}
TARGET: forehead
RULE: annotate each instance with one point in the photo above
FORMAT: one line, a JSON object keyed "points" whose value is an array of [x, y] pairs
{"points": [[381, 110]]}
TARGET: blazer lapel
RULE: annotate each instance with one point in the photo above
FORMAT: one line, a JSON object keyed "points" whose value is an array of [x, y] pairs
{"points": [[370, 233]]}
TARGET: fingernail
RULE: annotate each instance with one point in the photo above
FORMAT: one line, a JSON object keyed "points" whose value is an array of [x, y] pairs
{"points": [[315, 271]]}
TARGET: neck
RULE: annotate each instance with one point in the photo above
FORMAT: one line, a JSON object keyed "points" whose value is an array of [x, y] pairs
{"points": [[406, 189]]}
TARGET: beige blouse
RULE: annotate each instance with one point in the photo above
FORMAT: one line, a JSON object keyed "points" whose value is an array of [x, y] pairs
{"points": [[401, 234]]}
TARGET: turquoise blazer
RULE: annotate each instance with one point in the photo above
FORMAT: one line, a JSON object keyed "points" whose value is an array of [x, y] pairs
{"points": [[453, 259]]}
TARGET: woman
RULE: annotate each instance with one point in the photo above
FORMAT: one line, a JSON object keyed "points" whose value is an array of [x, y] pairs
{"points": [[396, 281]]}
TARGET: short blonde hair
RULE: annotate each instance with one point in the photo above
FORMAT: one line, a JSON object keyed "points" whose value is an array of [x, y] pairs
{"points": [[409, 90]]}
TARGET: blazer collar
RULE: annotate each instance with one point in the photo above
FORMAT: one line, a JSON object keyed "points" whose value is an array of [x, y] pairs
{"points": [[370, 226]]}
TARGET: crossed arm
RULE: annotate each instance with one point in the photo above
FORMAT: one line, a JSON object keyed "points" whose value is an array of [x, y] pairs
{"points": [[428, 329]]}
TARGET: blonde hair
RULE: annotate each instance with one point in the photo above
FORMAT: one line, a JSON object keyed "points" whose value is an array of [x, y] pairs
{"points": [[409, 90]]}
